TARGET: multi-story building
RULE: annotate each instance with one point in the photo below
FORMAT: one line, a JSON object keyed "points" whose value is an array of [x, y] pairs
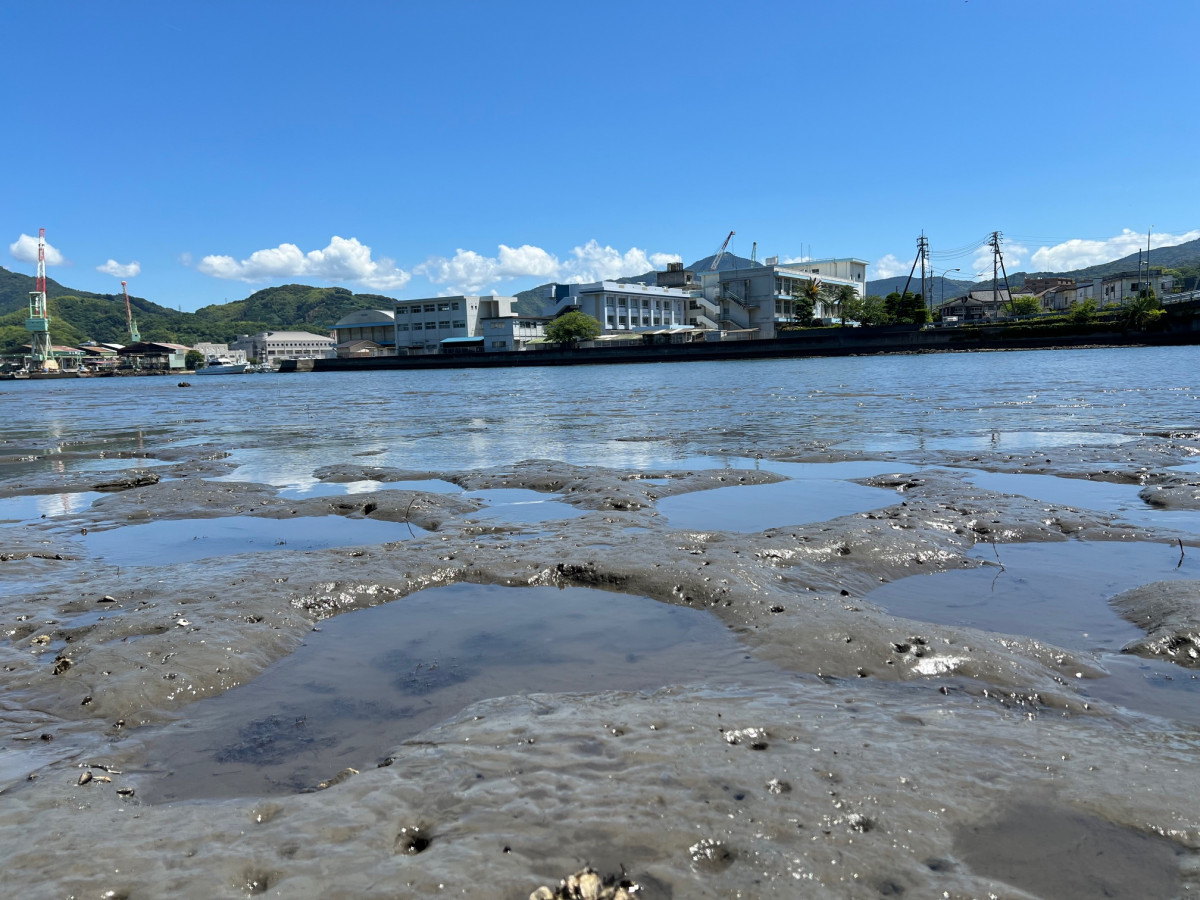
{"points": [[508, 333], [436, 323], [372, 331], [218, 351], [761, 298], [272, 346], [621, 307]]}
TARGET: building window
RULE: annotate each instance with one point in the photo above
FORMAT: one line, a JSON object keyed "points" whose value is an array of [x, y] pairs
{"points": [[403, 326], [430, 307], [445, 323], [498, 345], [443, 307], [454, 306], [611, 320], [417, 326], [460, 324]]}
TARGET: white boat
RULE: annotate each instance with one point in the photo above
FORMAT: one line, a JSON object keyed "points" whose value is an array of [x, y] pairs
{"points": [[221, 365]]}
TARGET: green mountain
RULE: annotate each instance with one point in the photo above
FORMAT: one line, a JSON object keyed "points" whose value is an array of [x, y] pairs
{"points": [[77, 316]]}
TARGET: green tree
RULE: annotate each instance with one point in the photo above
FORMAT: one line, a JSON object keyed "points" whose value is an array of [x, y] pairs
{"points": [[849, 304], [1025, 306], [804, 303], [193, 359], [1139, 313], [1083, 311], [874, 311], [572, 327], [908, 309]]}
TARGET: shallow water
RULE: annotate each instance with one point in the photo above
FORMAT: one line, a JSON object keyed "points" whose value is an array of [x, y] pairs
{"points": [[1119, 499], [1059, 593], [33, 507], [637, 417], [370, 679], [761, 506], [169, 541]]}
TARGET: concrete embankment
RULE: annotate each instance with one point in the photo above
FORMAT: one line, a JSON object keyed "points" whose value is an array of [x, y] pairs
{"points": [[814, 342]]}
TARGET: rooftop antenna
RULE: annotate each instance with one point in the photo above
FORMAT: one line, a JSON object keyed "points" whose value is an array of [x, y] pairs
{"points": [[754, 252]]}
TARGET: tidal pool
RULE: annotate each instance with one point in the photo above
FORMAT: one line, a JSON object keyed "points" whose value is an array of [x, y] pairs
{"points": [[520, 506], [757, 507], [1059, 593], [369, 679], [44, 506], [1119, 499], [168, 541], [366, 486]]}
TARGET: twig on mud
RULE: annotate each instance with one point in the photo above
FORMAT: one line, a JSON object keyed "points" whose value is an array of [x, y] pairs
{"points": [[1000, 561], [1180, 563], [411, 533]]}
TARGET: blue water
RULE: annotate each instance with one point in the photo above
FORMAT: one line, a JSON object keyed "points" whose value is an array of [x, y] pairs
{"points": [[638, 416]]}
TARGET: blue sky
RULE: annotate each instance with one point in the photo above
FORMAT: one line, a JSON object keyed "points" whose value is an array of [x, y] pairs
{"points": [[203, 150]]}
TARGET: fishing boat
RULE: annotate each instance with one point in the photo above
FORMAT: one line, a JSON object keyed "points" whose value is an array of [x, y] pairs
{"points": [[221, 365]]}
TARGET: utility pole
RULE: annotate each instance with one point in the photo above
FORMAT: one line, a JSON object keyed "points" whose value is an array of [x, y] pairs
{"points": [[998, 259], [922, 256]]}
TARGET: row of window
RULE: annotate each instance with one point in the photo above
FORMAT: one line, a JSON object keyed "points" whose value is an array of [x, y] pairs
{"points": [[429, 326], [614, 321], [633, 302], [445, 306]]}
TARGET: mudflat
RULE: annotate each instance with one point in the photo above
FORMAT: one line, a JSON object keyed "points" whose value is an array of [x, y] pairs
{"points": [[301, 665]]}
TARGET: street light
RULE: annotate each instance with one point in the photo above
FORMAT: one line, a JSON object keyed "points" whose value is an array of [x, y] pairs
{"points": [[944, 284]]}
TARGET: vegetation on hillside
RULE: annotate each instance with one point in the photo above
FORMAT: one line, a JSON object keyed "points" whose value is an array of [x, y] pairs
{"points": [[77, 316]]}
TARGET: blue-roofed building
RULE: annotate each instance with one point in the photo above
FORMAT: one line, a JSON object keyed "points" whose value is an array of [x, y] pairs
{"points": [[373, 326]]}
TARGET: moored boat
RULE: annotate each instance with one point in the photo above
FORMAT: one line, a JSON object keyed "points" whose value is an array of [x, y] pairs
{"points": [[221, 365]]}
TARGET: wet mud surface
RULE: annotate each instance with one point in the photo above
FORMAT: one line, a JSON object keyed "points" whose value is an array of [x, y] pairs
{"points": [[822, 737]]}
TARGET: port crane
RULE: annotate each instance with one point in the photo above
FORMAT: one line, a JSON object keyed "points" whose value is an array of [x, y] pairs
{"points": [[134, 337], [721, 253]]}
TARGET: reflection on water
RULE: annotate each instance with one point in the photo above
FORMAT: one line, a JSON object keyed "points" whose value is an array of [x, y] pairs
{"points": [[373, 678], [815, 492], [522, 507], [30, 508], [641, 417], [1119, 499], [1059, 593], [344, 488], [169, 541]]}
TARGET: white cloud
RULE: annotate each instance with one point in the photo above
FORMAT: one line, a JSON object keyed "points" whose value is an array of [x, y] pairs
{"points": [[114, 268], [345, 259], [25, 249], [468, 272], [1079, 254], [1014, 254], [888, 267]]}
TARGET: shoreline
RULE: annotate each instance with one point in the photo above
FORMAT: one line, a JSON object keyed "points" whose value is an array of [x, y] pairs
{"points": [[881, 341]]}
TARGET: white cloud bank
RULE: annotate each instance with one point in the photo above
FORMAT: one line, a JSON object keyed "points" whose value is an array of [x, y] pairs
{"points": [[115, 269], [888, 267], [1079, 254], [25, 249], [345, 259], [468, 272]]}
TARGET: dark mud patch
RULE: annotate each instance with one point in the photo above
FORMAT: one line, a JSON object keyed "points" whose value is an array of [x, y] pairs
{"points": [[1060, 852]]}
